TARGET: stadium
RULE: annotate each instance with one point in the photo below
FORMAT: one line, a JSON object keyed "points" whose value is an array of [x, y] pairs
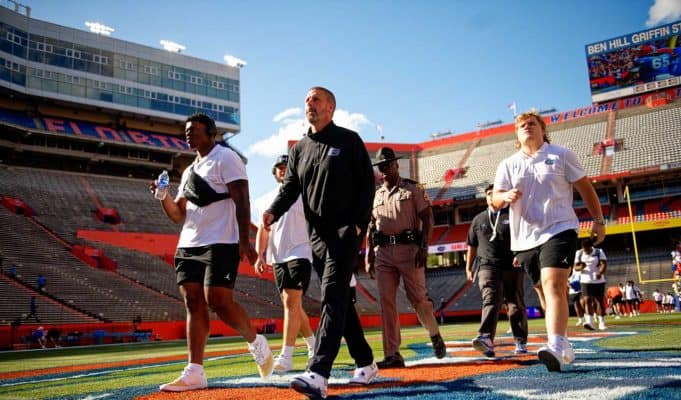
{"points": [[87, 121]]}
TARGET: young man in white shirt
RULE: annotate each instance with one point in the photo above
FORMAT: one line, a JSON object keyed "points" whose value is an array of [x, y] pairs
{"points": [[212, 203], [537, 184], [287, 247], [592, 281]]}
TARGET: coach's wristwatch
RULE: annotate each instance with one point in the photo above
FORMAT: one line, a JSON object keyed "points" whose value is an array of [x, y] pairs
{"points": [[599, 221]]}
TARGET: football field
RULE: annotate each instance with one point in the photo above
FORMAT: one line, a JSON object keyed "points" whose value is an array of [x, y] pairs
{"points": [[636, 358]]}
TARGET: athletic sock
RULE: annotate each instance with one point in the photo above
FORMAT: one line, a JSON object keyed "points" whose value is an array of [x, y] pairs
{"points": [[195, 368], [310, 341], [601, 320], [557, 341], [286, 352], [588, 319]]}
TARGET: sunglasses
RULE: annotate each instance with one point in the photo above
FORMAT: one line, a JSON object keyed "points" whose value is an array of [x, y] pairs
{"points": [[384, 166]]}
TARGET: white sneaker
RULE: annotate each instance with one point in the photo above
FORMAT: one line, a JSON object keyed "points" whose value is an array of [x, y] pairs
{"points": [[520, 348], [618, 317], [568, 353], [310, 384], [364, 375], [601, 326], [484, 345], [579, 322], [262, 354], [555, 358], [188, 380], [282, 364]]}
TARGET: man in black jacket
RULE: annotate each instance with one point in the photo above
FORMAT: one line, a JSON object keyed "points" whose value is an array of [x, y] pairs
{"points": [[331, 169]]}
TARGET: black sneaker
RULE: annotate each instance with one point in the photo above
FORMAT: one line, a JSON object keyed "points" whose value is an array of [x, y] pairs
{"points": [[394, 361], [439, 347]]}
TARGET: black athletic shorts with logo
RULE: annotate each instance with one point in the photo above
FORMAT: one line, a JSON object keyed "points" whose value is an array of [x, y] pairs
{"points": [[557, 252], [212, 265], [294, 274], [596, 290]]}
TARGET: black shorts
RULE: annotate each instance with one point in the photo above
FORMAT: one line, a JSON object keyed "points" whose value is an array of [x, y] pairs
{"points": [[294, 274], [596, 290], [617, 300], [574, 297], [212, 265], [557, 252], [659, 303]]}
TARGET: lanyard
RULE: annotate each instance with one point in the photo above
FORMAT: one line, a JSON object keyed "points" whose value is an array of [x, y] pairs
{"points": [[493, 225]]}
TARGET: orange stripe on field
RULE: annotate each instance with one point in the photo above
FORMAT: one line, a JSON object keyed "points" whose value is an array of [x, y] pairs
{"points": [[406, 376]]}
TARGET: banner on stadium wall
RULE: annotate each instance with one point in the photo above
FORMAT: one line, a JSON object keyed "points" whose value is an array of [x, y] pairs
{"points": [[638, 227], [127, 136], [447, 247], [596, 109], [634, 63]]}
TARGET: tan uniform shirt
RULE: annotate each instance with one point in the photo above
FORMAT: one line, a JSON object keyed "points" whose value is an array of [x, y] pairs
{"points": [[397, 209]]}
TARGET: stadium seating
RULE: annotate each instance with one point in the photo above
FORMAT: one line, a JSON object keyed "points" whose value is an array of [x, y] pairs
{"points": [[650, 138], [134, 204], [580, 139], [15, 303], [433, 167], [99, 293], [481, 167]]}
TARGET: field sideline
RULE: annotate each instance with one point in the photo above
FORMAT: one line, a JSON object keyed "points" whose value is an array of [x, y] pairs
{"points": [[637, 358]]}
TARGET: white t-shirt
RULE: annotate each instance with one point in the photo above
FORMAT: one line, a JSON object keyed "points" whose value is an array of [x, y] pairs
{"points": [[216, 222], [668, 299], [592, 262], [288, 238], [657, 296], [631, 292], [545, 180]]}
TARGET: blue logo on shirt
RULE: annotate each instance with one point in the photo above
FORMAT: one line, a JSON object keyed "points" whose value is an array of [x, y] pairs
{"points": [[549, 161], [333, 151]]}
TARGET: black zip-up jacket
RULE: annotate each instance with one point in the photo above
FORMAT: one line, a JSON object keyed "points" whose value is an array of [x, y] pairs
{"points": [[333, 172]]}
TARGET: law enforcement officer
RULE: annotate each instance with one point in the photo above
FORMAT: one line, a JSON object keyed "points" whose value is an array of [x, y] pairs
{"points": [[499, 278], [397, 246]]}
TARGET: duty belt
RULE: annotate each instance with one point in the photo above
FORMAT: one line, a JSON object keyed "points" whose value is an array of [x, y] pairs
{"points": [[406, 237]]}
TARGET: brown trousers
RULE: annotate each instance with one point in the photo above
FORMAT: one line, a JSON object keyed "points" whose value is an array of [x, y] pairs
{"points": [[392, 263]]}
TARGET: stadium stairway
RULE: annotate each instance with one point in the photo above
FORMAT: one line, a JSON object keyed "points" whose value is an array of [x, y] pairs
{"points": [[15, 299]]}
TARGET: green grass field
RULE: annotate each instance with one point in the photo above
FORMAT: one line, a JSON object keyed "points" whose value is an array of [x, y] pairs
{"points": [[80, 372]]}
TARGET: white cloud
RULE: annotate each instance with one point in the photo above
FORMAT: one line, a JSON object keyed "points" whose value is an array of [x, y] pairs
{"points": [[262, 203], [288, 113], [234, 61], [294, 125], [663, 11]]}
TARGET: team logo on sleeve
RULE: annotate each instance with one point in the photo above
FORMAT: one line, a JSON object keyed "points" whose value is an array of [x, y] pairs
{"points": [[333, 152]]}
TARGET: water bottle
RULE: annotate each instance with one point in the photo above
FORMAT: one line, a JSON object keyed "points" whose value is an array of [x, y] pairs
{"points": [[162, 184]]}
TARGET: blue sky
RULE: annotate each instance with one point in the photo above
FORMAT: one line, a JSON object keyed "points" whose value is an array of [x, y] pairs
{"points": [[409, 67]]}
